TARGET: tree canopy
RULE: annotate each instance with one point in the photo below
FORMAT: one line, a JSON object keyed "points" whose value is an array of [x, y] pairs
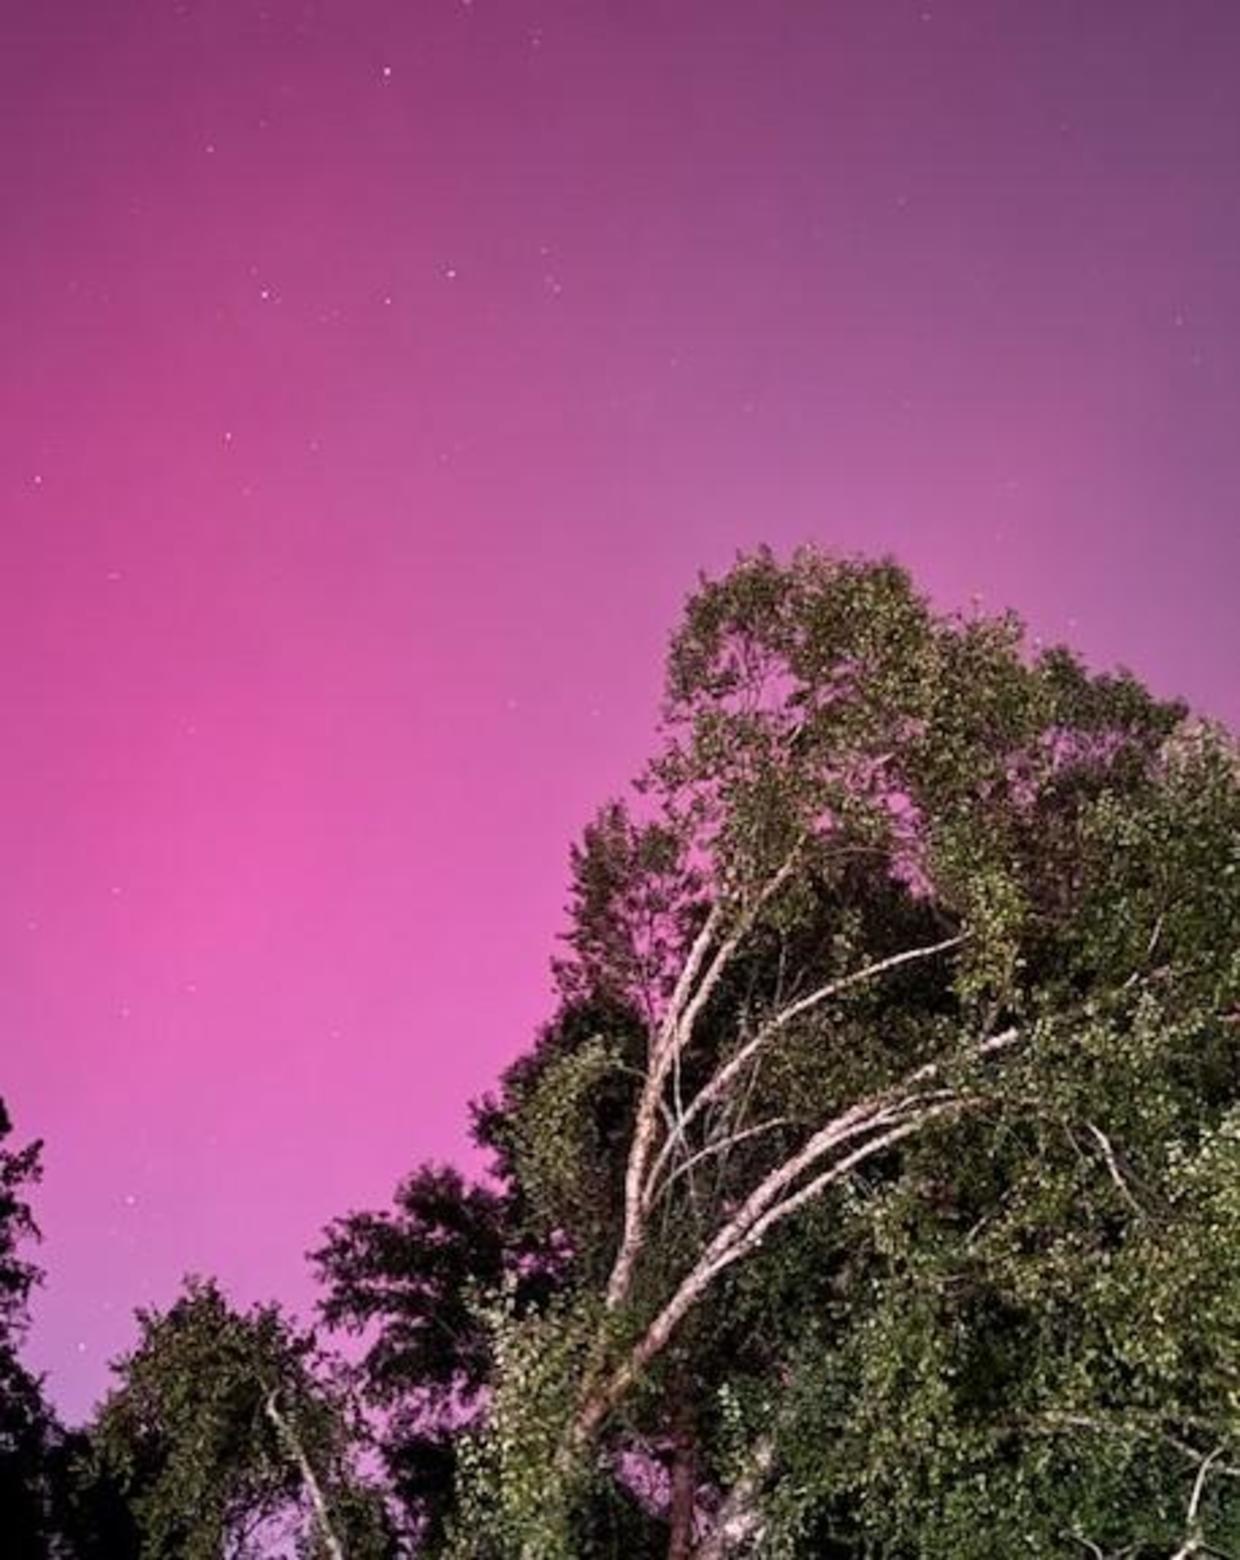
{"points": [[226, 1439], [882, 1156]]}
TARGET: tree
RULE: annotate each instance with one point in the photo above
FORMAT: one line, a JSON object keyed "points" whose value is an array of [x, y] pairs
{"points": [[29, 1434], [225, 1439], [405, 1279], [929, 945]]}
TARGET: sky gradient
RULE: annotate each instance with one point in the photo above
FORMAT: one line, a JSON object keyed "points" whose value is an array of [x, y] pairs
{"points": [[375, 379]]}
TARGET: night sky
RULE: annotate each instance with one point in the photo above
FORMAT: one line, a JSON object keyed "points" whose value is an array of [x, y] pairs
{"points": [[376, 377]]}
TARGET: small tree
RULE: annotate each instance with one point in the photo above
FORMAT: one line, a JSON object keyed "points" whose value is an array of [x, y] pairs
{"points": [[226, 1439], [29, 1435]]}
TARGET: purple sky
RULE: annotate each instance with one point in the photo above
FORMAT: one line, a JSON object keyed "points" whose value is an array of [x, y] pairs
{"points": [[376, 377]]}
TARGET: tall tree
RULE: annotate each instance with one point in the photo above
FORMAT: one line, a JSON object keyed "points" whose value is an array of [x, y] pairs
{"points": [[930, 942]]}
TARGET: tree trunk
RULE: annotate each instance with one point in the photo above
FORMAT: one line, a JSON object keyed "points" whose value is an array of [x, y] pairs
{"points": [[684, 1489], [738, 1524]]}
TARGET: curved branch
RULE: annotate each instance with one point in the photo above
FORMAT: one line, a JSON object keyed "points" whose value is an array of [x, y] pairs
{"points": [[718, 1147], [719, 1082], [744, 1231]]}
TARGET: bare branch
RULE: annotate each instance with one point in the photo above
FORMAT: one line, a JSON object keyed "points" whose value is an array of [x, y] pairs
{"points": [[851, 1124], [1149, 953], [650, 1101], [689, 973], [746, 1229], [720, 1146], [746, 1241], [888, 1108], [691, 993], [720, 1081], [1108, 1152], [286, 1433], [682, 1030], [1199, 1484]]}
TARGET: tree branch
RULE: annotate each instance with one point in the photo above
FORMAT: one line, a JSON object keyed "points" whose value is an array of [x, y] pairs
{"points": [[747, 1239], [690, 994], [719, 1082], [1194, 1543], [286, 1433], [1108, 1153], [645, 1123], [744, 1231], [721, 1145], [888, 1108]]}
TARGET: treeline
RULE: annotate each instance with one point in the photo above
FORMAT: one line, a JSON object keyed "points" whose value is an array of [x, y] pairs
{"points": [[874, 1190]]}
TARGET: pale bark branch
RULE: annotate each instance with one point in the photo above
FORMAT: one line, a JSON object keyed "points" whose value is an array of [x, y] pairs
{"points": [[719, 1082], [883, 1119], [755, 1234], [689, 973], [720, 1146], [1108, 1153], [1199, 1484], [743, 1231], [887, 1109], [292, 1442], [682, 1030], [650, 1101], [1133, 1426], [844, 1128], [692, 991]]}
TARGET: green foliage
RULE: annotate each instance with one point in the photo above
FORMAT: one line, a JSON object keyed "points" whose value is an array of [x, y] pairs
{"points": [[516, 1496], [934, 867], [203, 1435], [556, 1139], [29, 1435], [407, 1281]]}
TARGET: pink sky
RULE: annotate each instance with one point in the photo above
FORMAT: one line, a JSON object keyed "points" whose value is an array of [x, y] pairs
{"points": [[376, 377]]}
